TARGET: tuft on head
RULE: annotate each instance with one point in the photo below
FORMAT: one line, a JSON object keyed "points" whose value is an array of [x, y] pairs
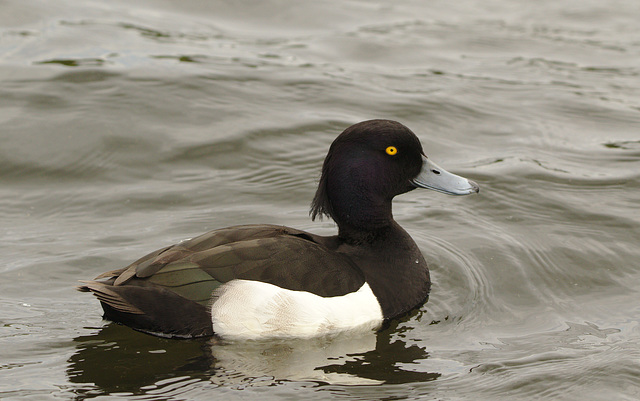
{"points": [[321, 205]]}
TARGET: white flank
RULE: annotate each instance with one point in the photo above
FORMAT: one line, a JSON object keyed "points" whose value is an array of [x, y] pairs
{"points": [[245, 309]]}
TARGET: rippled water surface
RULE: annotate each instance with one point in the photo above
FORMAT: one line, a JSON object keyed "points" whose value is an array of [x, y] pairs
{"points": [[127, 126]]}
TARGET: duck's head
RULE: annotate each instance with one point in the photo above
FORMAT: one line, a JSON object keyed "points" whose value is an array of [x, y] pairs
{"points": [[368, 165]]}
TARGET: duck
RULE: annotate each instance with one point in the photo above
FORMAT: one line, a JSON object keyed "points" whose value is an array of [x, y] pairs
{"points": [[262, 281]]}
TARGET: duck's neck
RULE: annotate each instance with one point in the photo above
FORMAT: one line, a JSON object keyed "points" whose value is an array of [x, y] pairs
{"points": [[360, 211], [365, 222]]}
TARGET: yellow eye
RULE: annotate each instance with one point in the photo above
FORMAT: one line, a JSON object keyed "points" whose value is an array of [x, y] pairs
{"points": [[391, 150]]}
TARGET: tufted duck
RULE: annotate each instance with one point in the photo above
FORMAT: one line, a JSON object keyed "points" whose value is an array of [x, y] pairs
{"points": [[261, 281]]}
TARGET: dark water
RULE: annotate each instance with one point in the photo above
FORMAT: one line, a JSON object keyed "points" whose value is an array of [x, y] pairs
{"points": [[125, 128]]}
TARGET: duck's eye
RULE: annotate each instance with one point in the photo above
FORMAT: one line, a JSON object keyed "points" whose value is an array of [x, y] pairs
{"points": [[391, 150]]}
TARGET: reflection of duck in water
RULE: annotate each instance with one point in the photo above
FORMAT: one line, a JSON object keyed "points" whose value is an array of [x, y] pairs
{"points": [[366, 358], [118, 360], [263, 281]]}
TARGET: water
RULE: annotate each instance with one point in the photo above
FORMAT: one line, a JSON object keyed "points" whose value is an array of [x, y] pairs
{"points": [[126, 127]]}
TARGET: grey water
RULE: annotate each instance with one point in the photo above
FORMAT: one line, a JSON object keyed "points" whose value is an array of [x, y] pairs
{"points": [[128, 126]]}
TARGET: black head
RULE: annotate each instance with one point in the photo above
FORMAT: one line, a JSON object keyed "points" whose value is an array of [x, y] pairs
{"points": [[367, 165]]}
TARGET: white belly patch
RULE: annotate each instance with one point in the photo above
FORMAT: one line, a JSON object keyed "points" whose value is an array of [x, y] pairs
{"points": [[245, 309]]}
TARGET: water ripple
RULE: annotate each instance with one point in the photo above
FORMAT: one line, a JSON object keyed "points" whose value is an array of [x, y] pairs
{"points": [[129, 127]]}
